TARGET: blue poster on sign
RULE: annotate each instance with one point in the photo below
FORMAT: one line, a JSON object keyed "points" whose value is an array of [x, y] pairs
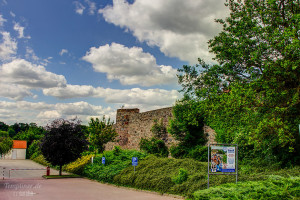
{"points": [[134, 161], [103, 160]]}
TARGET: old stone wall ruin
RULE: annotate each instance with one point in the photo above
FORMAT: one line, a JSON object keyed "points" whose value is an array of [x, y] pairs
{"points": [[131, 126]]}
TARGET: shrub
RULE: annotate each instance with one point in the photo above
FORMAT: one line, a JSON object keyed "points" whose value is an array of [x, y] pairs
{"points": [[115, 162], [154, 146], [181, 177], [154, 173], [34, 149], [198, 153], [77, 166], [275, 187], [41, 160]]}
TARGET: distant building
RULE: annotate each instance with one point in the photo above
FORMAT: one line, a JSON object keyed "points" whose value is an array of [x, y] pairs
{"points": [[18, 151]]}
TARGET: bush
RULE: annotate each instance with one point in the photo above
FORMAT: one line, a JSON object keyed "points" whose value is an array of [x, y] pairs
{"points": [[154, 146], [115, 162], [156, 174], [181, 177], [34, 149], [78, 165], [275, 187], [198, 153], [41, 160]]}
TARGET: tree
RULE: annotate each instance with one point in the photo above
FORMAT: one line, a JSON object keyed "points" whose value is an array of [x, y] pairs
{"points": [[186, 126], [6, 144], [3, 126], [63, 142], [256, 79], [31, 134], [156, 145], [101, 132]]}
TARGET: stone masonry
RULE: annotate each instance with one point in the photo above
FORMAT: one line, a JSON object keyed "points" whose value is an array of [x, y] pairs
{"points": [[131, 126]]}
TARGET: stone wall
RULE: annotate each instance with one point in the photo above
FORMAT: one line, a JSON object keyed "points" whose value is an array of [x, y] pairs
{"points": [[131, 125]]}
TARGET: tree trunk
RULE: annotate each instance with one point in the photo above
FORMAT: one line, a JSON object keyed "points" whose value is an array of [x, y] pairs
{"points": [[60, 168]]}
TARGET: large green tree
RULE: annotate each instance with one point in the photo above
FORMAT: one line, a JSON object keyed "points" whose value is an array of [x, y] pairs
{"points": [[101, 132], [6, 144], [252, 94], [63, 142]]}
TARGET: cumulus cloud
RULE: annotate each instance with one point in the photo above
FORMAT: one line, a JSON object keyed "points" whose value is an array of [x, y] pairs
{"points": [[8, 47], [20, 30], [129, 65], [24, 73], [156, 97], [79, 8], [179, 28], [42, 113], [14, 91]]}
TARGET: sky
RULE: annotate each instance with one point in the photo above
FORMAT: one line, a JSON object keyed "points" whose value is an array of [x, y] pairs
{"points": [[88, 58]]}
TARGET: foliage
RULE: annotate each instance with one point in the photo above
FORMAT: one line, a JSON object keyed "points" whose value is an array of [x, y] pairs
{"points": [[64, 142], [78, 165], [199, 153], [114, 164], [101, 132], [275, 187], [155, 174], [186, 126], [34, 149], [159, 130], [3, 126], [41, 160], [154, 146], [31, 134], [252, 96], [6, 144], [181, 177]]}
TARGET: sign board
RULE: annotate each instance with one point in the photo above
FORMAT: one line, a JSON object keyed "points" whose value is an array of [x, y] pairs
{"points": [[134, 161], [103, 160], [222, 159]]}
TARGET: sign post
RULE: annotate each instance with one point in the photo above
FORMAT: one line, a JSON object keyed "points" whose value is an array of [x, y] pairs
{"points": [[134, 162], [222, 160]]}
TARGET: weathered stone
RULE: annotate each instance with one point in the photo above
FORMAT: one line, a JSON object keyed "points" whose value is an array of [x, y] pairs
{"points": [[131, 125]]}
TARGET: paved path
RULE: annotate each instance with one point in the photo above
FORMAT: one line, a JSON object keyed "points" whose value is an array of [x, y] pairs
{"points": [[32, 187]]}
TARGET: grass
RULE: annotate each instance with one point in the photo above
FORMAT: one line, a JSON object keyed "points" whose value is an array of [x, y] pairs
{"points": [[62, 176]]}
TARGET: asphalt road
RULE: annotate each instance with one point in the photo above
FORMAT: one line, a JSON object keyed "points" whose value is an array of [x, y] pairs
{"points": [[29, 185]]}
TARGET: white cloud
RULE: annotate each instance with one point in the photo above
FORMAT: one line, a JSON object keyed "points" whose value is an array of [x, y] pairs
{"points": [[179, 28], [92, 7], [8, 47], [12, 14], [14, 91], [130, 65], [150, 97], [24, 73], [20, 30], [49, 114], [41, 113], [79, 8], [2, 20], [30, 54], [63, 51]]}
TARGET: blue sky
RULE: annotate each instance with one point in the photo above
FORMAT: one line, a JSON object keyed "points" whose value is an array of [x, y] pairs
{"points": [[87, 58]]}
